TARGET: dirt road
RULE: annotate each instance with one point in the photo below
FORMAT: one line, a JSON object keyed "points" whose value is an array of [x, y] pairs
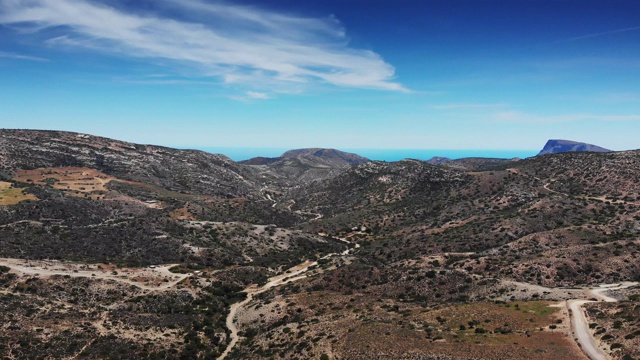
{"points": [[579, 322], [598, 292], [293, 274], [49, 268], [585, 197], [576, 299], [580, 327]]}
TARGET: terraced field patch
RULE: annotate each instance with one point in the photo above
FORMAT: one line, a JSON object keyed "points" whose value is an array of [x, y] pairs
{"points": [[81, 182], [10, 195]]}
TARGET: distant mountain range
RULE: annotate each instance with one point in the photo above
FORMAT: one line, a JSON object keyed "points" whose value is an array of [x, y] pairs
{"points": [[560, 146], [553, 146]]}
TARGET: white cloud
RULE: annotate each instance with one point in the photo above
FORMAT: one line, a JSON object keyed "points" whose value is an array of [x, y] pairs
{"points": [[467, 106], [618, 117], [250, 95], [238, 44], [257, 95]]}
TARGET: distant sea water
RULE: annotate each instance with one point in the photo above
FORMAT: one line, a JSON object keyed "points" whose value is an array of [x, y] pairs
{"points": [[239, 154]]}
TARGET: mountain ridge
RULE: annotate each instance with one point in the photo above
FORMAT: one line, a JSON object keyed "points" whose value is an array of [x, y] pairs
{"points": [[308, 164], [321, 153], [403, 242]]}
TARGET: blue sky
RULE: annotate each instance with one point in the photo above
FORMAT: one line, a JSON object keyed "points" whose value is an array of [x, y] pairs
{"points": [[421, 74]]}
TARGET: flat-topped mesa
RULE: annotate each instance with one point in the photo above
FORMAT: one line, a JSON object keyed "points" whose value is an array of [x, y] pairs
{"points": [[559, 146]]}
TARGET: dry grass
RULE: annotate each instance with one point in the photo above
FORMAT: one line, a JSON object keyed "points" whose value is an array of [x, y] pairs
{"points": [[87, 183], [79, 182], [11, 196], [182, 214], [358, 327]]}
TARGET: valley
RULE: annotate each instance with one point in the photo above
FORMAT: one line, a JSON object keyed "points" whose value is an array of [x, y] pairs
{"points": [[110, 249]]}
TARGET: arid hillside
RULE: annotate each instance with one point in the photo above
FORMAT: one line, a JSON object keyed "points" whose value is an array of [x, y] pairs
{"points": [[116, 250]]}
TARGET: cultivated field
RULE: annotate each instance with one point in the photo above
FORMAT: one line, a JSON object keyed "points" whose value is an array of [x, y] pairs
{"points": [[81, 182]]}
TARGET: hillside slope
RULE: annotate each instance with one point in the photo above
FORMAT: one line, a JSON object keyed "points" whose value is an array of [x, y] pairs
{"points": [[306, 165], [405, 259], [190, 171], [86, 198]]}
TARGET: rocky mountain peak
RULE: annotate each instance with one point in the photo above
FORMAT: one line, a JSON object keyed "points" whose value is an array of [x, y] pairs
{"points": [[556, 146]]}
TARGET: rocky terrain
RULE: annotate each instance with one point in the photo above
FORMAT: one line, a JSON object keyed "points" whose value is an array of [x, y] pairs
{"points": [[116, 250], [307, 165]]}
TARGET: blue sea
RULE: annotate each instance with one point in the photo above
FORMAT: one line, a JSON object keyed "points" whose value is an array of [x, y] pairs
{"points": [[239, 154]]}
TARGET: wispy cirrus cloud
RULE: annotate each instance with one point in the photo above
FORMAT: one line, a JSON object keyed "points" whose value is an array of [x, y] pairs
{"points": [[245, 45], [248, 96], [21, 57], [618, 97], [257, 95], [521, 117], [467, 106], [589, 36]]}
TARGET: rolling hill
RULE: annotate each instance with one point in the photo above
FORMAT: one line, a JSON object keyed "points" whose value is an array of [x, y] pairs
{"points": [[109, 247]]}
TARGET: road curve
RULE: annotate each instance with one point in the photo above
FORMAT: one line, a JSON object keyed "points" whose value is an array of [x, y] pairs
{"points": [[598, 292], [580, 325], [293, 274]]}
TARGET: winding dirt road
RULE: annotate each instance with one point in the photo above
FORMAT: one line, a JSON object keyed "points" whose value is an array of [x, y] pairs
{"points": [[585, 197], [579, 322], [292, 274]]}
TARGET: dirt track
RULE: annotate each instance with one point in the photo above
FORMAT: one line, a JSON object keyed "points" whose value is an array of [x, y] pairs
{"points": [[50, 268], [576, 298], [580, 325], [293, 274]]}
